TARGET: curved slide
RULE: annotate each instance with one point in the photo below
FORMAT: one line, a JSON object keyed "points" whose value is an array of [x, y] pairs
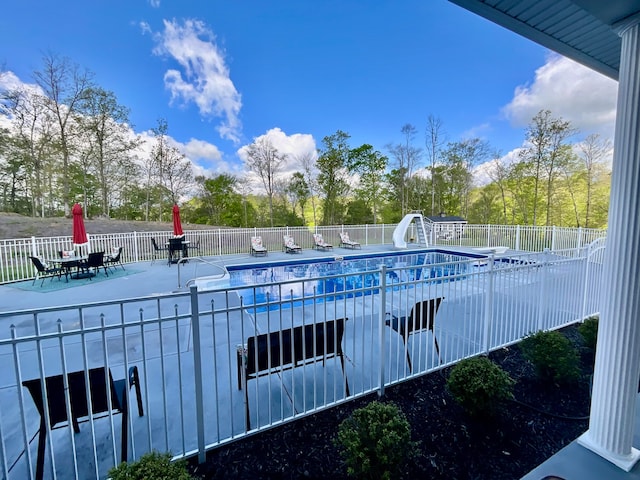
{"points": [[400, 232]]}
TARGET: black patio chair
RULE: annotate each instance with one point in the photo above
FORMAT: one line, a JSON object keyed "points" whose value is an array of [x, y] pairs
{"points": [[421, 318], [94, 261], [44, 270], [162, 251], [114, 260]]}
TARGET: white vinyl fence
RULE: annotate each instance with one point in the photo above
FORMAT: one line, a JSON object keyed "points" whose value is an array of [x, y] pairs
{"points": [[201, 383], [15, 264]]}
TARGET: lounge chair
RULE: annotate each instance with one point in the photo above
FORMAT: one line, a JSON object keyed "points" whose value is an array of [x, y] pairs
{"points": [[289, 245], [421, 318], [346, 242], [319, 243], [257, 248]]}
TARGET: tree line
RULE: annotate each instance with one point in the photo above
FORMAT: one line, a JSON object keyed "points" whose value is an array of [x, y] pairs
{"points": [[71, 140]]}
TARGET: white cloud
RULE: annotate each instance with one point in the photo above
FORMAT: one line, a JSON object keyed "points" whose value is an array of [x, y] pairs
{"points": [[154, 3], [204, 78], [292, 146], [569, 90], [482, 173]]}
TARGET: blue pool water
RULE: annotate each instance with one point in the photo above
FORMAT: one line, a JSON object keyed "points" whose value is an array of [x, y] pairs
{"points": [[341, 278]]}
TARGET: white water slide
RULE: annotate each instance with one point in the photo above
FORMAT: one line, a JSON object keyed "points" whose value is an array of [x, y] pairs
{"points": [[400, 233]]}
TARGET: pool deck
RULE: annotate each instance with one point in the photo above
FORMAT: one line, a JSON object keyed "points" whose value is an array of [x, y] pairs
{"points": [[157, 278]]}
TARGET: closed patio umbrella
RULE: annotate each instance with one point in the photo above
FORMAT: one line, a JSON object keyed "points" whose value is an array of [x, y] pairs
{"points": [[177, 225], [79, 233]]}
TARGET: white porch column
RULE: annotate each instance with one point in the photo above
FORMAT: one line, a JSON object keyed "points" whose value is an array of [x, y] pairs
{"points": [[617, 366]]}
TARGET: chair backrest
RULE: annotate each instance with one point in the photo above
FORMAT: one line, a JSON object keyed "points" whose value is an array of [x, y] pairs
{"points": [[116, 257], [175, 244], [40, 266], [98, 384], [423, 315], [288, 241], [275, 349], [317, 237], [95, 259], [256, 241], [155, 245]]}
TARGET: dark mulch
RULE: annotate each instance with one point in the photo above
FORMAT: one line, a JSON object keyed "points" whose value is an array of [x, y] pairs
{"points": [[542, 420]]}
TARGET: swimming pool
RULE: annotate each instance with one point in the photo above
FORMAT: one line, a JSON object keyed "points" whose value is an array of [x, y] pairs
{"points": [[284, 284]]}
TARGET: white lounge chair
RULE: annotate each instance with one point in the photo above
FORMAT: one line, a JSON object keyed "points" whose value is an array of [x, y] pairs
{"points": [[319, 243], [289, 245], [346, 242], [257, 248]]}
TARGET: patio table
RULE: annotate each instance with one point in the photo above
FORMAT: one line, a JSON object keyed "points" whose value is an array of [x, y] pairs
{"points": [[178, 246], [68, 263]]}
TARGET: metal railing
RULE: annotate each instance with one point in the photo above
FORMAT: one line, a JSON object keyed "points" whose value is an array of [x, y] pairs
{"points": [[191, 348], [16, 266]]}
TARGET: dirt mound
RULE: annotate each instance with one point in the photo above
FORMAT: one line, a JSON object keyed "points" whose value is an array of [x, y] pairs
{"points": [[18, 226]]}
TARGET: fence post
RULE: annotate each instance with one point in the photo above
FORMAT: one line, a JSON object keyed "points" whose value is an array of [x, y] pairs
{"points": [[580, 234], [197, 372], [488, 235], [34, 250], [488, 307], [553, 238], [585, 292], [382, 332], [136, 253], [541, 296], [219, 242], [517, 245]]}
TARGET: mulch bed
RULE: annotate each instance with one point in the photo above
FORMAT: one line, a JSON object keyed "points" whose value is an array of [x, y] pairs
{"points": [[543, 419]]}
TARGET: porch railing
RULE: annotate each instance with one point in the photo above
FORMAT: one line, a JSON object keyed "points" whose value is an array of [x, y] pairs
{"points": [[191, 349]]}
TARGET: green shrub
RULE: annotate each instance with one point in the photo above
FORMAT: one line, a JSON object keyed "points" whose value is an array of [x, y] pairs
{"points": [[375, 441], [589, 331], [151, 466], [553, 356], [479, 385]]}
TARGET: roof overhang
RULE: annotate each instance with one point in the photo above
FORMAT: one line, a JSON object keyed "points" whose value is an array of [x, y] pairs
{"points": [[583, 30]]}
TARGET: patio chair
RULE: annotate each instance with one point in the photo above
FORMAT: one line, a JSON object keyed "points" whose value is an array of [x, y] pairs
{"points": [[44, 270], [289, 245], [420, 319], [158, 250], [114, 259], [106, 395], [257, 248], [319, 243], [94, 261], [346, 242], [289, 348]]}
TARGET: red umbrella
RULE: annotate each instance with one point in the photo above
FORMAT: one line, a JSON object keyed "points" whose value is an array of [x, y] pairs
{"points": [[177, 225], [79, 232]]}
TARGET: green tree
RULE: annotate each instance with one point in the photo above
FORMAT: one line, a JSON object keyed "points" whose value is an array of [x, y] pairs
{"points": [[299, 193], [220, 203], [370, 165], [265, 161], [103, 126], [332, 166], [406, 158], [543, 156], [64, 85]]}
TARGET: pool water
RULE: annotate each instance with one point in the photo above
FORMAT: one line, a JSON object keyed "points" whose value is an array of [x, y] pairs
{"points": [[327, 280]]}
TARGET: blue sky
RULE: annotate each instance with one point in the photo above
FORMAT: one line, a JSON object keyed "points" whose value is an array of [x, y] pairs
{"points": [[224, 73]]}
